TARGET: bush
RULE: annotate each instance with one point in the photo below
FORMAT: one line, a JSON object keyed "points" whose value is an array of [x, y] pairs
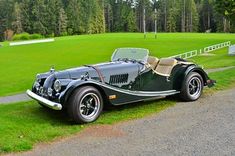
{"points": [[64, 34], [36, 36], [26, 36], [23, 36], [50, 35], [16, 37]]}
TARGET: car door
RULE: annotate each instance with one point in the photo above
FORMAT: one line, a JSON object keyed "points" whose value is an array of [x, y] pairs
{"points": [[151, 81]]}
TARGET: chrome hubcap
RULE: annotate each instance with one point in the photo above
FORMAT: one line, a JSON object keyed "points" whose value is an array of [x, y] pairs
{"points": [[89, 106], [195, 86]]}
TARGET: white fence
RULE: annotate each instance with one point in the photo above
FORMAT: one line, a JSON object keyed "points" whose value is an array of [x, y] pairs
{"points": [[186, 55], [216, 46], [205, 50], [32, 42]]}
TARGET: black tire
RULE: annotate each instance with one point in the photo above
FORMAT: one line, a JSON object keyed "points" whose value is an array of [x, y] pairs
{"points": [[192, 87], [85, 104]]}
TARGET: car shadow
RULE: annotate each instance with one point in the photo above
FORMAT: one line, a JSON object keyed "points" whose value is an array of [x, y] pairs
{"points": [[62, 117]]}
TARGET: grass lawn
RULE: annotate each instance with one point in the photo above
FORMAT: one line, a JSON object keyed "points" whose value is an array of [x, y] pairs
{"points": [[22, 125], [225, 79], [217, 59], [20, 64]]}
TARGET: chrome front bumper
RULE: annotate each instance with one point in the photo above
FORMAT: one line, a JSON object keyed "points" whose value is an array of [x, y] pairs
{"points": [[46, 102]]}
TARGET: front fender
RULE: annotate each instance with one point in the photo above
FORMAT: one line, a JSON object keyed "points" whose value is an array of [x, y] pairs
{"points": [[64, 96]]}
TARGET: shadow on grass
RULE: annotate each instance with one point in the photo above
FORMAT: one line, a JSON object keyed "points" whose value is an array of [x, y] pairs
{"points": [[60, 117], [122, 112]]}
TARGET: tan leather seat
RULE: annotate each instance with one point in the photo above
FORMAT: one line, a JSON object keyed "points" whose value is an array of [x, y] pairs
{"points": [[165, 66], [153, 62]]}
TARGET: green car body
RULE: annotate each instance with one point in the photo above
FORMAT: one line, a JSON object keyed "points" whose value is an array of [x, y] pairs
{"points": [[129, 77]]}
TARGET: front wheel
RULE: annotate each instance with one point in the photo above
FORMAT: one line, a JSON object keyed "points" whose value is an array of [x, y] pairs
{"points": [[85, 104], [192, 87]]}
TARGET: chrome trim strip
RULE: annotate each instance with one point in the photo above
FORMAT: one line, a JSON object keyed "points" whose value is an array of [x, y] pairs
{"points": [[138, 93], [48, 103]]}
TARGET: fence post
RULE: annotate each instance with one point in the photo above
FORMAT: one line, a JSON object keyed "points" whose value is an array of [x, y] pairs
{"points": [[204, 50]]}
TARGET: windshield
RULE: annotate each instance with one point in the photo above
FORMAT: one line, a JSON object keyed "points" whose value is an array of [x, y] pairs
{"points": [[137, 54]]}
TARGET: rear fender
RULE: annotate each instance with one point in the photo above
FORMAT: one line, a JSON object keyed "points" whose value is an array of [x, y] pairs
{"points": [[198, 70], [182, 77]]}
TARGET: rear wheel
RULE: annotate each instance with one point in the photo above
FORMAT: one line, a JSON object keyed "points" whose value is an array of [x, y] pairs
{"points": [[192, 88], [85, 105]]}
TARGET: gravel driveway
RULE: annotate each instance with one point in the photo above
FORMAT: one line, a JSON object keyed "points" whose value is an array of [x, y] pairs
{"points": [[204, 127]]}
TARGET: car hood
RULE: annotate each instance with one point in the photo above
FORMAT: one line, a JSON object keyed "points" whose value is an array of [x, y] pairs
{"points": [[106, 69], [110, 73]]}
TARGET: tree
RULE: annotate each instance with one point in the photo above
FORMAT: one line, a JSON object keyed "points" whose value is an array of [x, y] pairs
{"points": [[38, 17], [60, 17], [140, 5], [72, 11], [108, 16], [17, 20], [183, 12], [26, 13], [97, 17], [171, 21], [62, 22], [6, 9], [191, 16], [226, 9]]}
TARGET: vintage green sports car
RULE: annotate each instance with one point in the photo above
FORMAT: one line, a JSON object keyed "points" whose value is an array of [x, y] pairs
{"points": [[131, 76]]}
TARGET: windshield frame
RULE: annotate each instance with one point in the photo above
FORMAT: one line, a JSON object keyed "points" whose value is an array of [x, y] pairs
{"points": [[141, 60]]}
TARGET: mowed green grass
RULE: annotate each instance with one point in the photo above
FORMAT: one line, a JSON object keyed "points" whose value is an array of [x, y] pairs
{"points": [[23, 125], [224, 79], [20, 64], [215, 59]]}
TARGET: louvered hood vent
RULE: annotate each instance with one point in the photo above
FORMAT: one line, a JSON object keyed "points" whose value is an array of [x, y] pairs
{"points": [[117, 79]]}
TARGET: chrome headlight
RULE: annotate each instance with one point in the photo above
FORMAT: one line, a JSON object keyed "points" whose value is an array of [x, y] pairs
{"points": [[57, 85], [38, 78], [50, 92], [37, 85]]}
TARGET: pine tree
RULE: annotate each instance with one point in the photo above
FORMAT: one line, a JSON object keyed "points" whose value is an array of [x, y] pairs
{"points": [[61, 17], [52, 8], [97, 17], [62, 22], [26, 13], [194, 18], [17, 21], [226, 9], [73, 11], [38, 16], [6, 17]]}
